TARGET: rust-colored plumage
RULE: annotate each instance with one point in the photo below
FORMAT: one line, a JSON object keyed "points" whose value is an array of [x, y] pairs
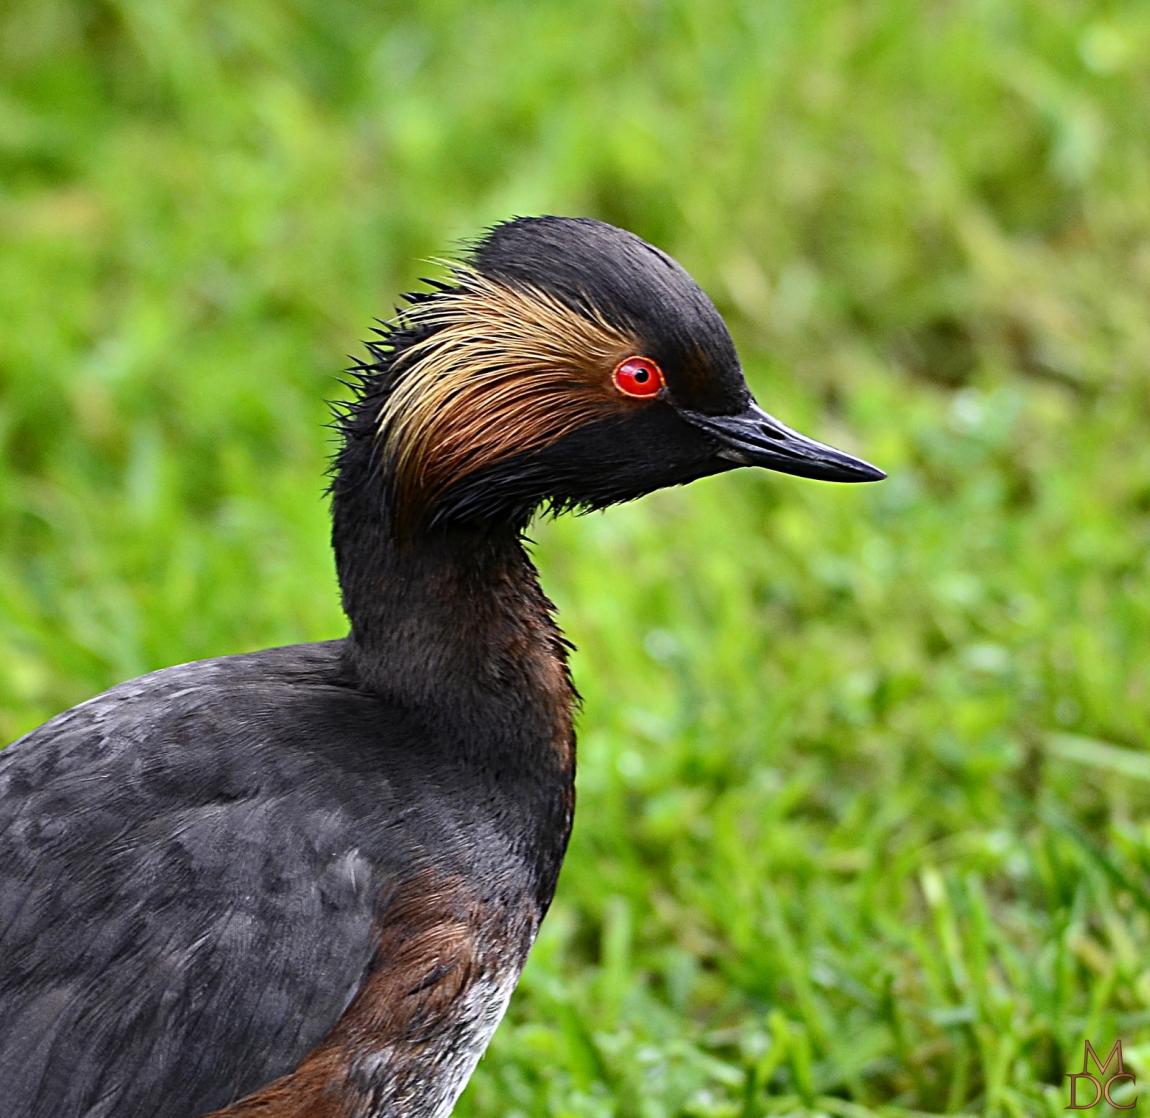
{"points": [[435, 992], [504, 370]]}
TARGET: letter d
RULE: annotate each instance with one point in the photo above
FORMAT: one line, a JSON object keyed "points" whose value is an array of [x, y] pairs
{"points": [[1074, 1077]]}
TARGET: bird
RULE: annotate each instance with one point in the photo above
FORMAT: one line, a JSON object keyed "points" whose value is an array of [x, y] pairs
{"points": [[303, 882]]}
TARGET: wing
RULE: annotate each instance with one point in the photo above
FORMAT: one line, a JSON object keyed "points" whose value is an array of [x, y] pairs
{"points": [[184, 909]]}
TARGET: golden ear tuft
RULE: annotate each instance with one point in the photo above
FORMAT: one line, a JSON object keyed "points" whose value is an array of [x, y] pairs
{"points": [[503, 370]]}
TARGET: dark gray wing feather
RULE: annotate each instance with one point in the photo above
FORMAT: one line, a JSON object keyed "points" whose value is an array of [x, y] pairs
{"points": [[185, 906]]}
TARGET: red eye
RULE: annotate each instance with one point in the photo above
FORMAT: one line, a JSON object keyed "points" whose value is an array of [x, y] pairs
{"points": [[638, 376]]}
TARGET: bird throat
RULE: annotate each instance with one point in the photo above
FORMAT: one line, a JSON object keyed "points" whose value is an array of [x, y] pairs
{"points": [[448, 619]]}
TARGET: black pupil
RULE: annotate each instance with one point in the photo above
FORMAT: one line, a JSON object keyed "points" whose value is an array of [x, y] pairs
{"points": [[642, 376]]}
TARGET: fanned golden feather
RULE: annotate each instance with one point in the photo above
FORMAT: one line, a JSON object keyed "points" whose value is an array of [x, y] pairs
{"points": [[504, 370]]}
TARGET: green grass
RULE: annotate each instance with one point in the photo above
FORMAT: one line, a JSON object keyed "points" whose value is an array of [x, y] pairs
{"points": [[864, 799]]}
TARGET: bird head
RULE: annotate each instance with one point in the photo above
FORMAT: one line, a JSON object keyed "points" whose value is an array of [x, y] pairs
{"points": [[566, 364]]}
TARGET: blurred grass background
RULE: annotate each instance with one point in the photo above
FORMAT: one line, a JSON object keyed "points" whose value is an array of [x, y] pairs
{"points": [[863, 823]]}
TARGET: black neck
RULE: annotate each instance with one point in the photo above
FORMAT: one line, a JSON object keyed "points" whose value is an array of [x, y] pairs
{"points": [[442, 616], [450, 625]]}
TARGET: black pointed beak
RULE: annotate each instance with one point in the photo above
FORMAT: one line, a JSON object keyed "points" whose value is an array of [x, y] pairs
{"points": [[753, 438]]}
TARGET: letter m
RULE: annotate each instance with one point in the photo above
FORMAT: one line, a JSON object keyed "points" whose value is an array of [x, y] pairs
{"points": [[1089, 1054]]}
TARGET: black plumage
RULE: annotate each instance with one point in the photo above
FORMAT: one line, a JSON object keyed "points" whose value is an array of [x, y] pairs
{"points": [[304, 881]]}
